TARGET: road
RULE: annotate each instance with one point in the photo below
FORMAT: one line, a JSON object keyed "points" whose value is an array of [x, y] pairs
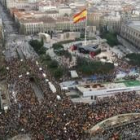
{"points": [[37, 91], [15, 44], [8, 23]]}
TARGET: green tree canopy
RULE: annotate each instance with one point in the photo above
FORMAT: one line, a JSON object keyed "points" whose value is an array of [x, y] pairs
{"points": [[53, 64], [57, 46], [134, 58], [58, 73], [111, 37], [38, 46], [88, 67], [63, 53]]}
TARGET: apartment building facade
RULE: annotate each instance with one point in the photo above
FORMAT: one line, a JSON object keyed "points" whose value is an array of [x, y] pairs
{"points": [[48, 25], [130, 30]]}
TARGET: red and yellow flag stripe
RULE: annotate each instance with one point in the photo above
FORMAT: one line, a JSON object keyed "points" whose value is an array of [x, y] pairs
{"points": [[80, 16]]}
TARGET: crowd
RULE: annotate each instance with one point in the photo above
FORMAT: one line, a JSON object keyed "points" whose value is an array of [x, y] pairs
{"points": [[53, 118], [124, 66]]}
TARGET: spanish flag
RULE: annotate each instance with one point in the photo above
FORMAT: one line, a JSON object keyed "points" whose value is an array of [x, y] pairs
{"points": [[80, 16]]}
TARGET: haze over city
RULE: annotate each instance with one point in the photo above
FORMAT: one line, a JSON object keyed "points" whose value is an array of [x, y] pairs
{"points": [[69, 70]]}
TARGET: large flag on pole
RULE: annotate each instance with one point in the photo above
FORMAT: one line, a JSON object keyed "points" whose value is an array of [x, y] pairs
{"points": [[80, 16]]}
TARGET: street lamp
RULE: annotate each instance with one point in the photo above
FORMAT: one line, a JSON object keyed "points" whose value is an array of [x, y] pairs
{"points": [[44, 75], [7, 68], [27, 73]]}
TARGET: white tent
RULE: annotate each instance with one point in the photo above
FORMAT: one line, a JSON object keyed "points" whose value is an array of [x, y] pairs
{"points": [[121, 75], [116, 64], [73, 74], [58, 97], [52, 87], [103, 60]]}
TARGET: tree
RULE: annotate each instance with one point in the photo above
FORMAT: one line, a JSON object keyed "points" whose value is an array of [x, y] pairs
{"points": [[111, 37], [57, 46], [82, 35], [2, 71], [42, 50], [47, 57], [88, 67], [35, 44], [134, 59], [38, 46], [58, 73], [53, 64], [63, 53], [42, 42]]}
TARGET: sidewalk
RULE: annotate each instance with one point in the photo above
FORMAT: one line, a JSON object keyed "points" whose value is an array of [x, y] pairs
{"points": [[119, 119]]}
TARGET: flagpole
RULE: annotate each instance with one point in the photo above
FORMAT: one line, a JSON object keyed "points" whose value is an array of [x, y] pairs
{"points": [[86, 30], [80, 17]]}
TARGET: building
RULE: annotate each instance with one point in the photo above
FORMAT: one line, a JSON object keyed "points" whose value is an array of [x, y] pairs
{"points": [[19, 3], [66, 24], [35, 26], [68, 36], [47, 6], [46, 37], [47, 25], [91, 49], [112, 22], [34, 22], [65, 10], [130, 31], [4, 98], [84, 89], [62, 1], [107, 89], [94, 18]]}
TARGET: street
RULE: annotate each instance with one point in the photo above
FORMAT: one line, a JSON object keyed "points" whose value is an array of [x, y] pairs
{"points": [[16, 45]]}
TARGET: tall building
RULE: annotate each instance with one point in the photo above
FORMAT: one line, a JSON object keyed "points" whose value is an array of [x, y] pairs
{"points": [[112, 22], [17, 3], [62, 1], [130, 31], [94, 18]]}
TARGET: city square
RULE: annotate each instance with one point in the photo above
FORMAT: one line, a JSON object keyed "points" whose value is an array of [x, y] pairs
{"points": [[69, 70]]}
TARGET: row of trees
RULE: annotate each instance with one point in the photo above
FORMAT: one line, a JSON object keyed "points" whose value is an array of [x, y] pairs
{"points": [[85, 66], [134, 59], [59, 50], [38, 46], [2, 71], [89, 67], [111, 37], [56, 70], [57, 46]]}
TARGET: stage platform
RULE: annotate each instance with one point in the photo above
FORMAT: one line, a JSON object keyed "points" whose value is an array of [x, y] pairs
{"points": [[101, 89]]}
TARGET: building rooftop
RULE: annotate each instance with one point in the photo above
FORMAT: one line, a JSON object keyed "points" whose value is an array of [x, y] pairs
{"points": [[135, 25], [123, 84], [73, 74], [38, 20], [108, 88]]}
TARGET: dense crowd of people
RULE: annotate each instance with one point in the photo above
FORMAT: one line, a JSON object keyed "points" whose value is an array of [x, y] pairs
{"points": [[54, 118]]}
